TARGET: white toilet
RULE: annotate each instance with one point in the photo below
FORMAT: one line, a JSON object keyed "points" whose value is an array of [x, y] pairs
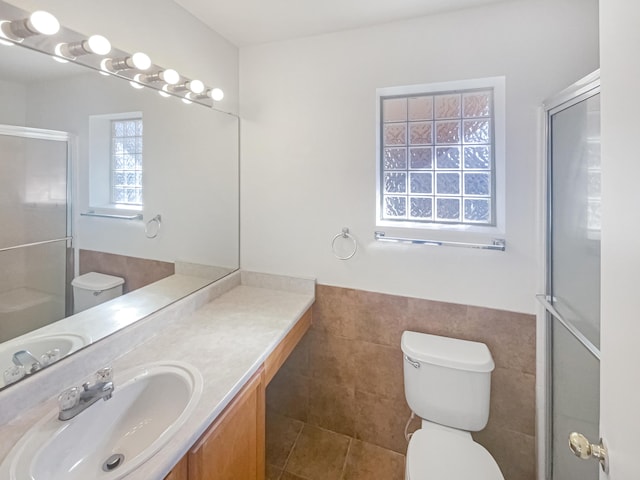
{"points": [[447, 383], [94, 288]]}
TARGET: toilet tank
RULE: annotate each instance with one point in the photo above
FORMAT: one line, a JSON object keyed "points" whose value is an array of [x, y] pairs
{"points": [[94, 288], [446, 380]]}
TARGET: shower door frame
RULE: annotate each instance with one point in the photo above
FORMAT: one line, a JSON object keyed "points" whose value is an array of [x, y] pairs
{"points": [[69, 139], [580, 91]]}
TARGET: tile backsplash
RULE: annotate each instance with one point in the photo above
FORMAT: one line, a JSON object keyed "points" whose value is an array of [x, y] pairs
{"points": [[346, 373]]}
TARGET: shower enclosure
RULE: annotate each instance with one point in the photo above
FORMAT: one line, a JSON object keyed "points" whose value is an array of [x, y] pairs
{"points": [[572, 297], [35, 234]]}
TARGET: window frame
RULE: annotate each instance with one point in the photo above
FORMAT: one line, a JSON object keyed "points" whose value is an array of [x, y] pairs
{"points": [[497, 84]]}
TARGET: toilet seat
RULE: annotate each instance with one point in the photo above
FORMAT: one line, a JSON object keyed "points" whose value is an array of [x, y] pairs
{"points": [[440, 454]]}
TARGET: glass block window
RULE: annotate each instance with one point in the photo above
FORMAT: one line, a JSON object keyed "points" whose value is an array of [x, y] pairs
{"points": [[126, 162], [437, 157]]}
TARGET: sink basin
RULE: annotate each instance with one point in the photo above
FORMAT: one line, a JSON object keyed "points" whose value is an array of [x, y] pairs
{"points": [[149, 404], [40, 345]]}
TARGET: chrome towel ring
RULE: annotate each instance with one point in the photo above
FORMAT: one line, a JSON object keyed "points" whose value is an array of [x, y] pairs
{"points": [[152, 227], [344, 234]]}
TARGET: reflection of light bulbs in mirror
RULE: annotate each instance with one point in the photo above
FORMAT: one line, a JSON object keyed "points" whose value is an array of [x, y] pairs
{"points": [[38, 23], [139, 61], [169, 76], [216, 94], [187, 101], [98, 44], [163, 92], [94, 44], [196, 86], [43, 22], [136, 84]]}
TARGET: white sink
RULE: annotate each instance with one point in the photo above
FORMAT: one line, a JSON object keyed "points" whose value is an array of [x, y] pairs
{"points": [[38, 346], [149, 404]]}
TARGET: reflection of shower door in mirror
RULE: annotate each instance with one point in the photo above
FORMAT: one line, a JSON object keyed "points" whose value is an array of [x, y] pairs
{"points": [[572, 297], [35, 234]]}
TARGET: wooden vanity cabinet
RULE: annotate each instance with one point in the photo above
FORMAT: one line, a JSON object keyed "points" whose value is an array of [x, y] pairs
{"points": [[233, 447]]}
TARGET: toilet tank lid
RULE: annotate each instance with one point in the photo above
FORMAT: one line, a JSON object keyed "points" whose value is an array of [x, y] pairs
{"points": [[96, 281], [447, 352]]}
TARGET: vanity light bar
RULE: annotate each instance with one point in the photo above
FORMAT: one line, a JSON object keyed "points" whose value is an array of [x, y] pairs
{"points": [[41, 31]]}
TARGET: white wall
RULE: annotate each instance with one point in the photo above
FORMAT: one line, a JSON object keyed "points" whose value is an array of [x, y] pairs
{"points": [[308, 144], [620, 391]]}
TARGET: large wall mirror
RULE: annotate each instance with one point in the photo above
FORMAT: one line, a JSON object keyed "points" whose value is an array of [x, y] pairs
{"points": [[106, 191]]}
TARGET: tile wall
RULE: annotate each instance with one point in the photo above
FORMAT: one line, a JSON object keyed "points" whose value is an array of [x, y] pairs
{"points": [[346, 374]]}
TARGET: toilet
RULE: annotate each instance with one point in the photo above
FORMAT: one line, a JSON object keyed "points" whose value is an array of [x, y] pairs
{"points": [[447, 384], [94, 288]]}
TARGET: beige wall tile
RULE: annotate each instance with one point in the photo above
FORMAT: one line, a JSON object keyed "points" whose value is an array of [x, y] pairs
{"points": [[381, 421], [332, 406], [513, 400], [289, 395], [514, 452], [436, 318], [510, 336], [332, 359], [380, 370]]}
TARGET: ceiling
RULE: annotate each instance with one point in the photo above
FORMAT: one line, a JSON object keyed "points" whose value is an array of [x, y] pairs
{"points": [[246, 22]]}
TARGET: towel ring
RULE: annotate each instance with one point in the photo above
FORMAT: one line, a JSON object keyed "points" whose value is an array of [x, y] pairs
{"points": [[157, 220], [344, 234]]}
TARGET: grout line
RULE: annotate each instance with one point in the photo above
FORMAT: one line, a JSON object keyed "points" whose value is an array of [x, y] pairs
{"points": [[346, 458], [286, 462]]}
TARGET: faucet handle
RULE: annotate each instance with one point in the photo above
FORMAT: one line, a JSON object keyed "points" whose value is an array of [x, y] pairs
{"points": [[69, 398], [104, 375]]}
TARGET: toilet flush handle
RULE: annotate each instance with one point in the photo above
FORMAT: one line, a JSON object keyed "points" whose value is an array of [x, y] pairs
{"points": [[412, 362]]}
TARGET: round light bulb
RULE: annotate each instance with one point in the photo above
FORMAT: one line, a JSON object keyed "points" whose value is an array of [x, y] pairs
{"points": [[136, 85], [187, 101], [6, 43], [44, 23], [196, 86], [170, 76], [99, 44], [163, 93], [141, 61], [58, 51], [217, 94]]}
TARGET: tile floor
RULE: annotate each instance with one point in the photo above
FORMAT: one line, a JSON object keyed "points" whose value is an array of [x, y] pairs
{"points": [[300, 451]]}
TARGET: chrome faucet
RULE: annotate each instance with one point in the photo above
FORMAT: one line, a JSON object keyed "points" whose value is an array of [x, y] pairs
{"points": [[26, 359], [77, 399]]}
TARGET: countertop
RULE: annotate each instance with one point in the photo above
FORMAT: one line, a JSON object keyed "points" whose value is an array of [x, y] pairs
{"points": [[227, 340]]}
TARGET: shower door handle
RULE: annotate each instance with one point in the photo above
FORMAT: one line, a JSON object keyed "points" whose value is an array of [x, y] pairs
{"points": [[583, 448]]}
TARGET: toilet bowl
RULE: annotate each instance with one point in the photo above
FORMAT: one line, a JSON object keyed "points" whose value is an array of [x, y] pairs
{"points": [[447, 384], [94, 288]]}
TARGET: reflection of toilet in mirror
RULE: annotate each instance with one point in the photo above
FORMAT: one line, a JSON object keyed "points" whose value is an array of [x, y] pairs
{"points": [[447, 384], [94, 288]]}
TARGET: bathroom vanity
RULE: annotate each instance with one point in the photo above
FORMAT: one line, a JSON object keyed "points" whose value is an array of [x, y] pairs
{"points": [[236, 333], [233, 447]]}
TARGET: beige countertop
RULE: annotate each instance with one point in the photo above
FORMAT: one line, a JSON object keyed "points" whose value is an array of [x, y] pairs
{"points": [[227, 340]]}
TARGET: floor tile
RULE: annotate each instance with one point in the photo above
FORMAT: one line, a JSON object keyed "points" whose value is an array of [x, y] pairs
{"points": [[273, 473], [366, 462], [318, 454], [282, 433]]}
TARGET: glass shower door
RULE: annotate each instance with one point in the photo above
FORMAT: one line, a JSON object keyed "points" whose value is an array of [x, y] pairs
{"points": [[573, 279], [35, 255]]}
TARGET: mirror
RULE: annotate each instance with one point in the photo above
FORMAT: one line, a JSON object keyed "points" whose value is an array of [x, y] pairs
{"points": [[60, 222]]}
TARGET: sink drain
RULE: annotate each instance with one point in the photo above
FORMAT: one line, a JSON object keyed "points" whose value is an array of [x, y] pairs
{"points": [[113, 462]]}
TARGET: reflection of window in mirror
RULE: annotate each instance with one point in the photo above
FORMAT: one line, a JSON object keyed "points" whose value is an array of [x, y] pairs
{"points": [[126, 162], [115, 162]]}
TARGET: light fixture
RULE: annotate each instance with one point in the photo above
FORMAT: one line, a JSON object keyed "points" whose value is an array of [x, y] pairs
{"points": [[136, 84], [94, 44], [164, 92], [187, 101], [139, 61], [168, 76], [38, 23], [194, 86]]}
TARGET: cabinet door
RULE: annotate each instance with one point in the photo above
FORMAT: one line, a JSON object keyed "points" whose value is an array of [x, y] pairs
{"points": [[233, 446], [180, 471]]}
